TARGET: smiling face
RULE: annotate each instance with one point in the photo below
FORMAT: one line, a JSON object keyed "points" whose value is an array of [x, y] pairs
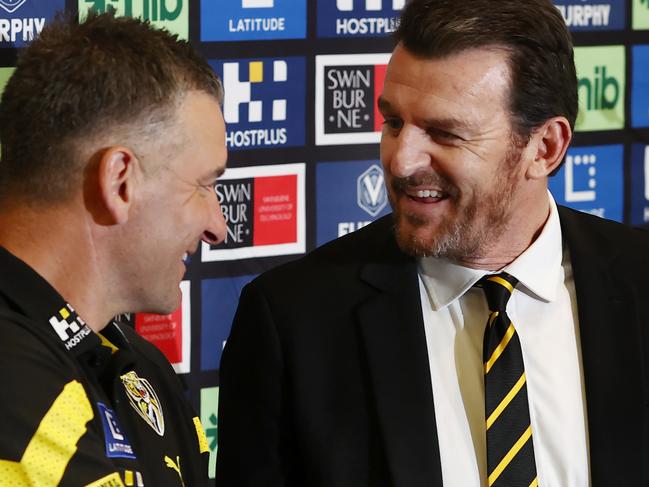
{"points": [[176, 205], [450, 160]]}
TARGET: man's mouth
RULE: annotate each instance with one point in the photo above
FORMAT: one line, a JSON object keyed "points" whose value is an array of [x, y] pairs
{"points": [[430, 188], [428, 193], [425, 195]]}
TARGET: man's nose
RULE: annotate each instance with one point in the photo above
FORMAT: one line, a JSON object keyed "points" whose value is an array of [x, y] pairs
{"points": [[410, 152], [216, 228]]}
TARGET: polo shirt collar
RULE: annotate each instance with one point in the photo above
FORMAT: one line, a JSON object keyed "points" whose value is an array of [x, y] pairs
{"points": [[29, 294]]}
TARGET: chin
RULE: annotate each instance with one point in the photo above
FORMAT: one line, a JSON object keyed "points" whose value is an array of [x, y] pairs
{"points": [[166, 305]]}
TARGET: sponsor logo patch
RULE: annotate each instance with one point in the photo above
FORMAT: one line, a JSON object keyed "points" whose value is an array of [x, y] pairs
{"points": [[592, 181], [349, 195], [144, 400], [358, 18], [69, 327], [347, 87], [241, 20], [265, 103], [264, 210], [117, 445]]}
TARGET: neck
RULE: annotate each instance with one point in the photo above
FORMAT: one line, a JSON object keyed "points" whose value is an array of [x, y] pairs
{"points": [[55, 242], [522, 229]]}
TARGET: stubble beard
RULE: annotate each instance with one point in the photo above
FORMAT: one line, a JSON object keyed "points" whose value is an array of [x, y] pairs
{"points": [[479, 224]]}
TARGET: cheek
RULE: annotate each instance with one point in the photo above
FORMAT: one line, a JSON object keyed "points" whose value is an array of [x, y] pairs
{"points": [[202, 211]]}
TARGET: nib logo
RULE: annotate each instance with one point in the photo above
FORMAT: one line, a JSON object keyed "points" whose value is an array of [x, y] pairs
{"points": [[240, 91], [165, 10], [370, 5], [11, 5], [601, 71], [172, 15], [601, 91]]}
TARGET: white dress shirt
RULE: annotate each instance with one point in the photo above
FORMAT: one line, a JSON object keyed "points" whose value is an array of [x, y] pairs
{"points": [[543, 309]]}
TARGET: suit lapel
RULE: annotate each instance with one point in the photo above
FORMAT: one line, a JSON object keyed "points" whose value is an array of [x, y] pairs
{"points": [[611, 355], [392, 331]]}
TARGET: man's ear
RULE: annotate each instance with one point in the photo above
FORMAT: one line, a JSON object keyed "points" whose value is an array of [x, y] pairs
{"points": [[550, 143], [117, 169]]}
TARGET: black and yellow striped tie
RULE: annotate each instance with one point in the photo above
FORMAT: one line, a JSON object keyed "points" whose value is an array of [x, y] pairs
{"points": [[510, 451]]}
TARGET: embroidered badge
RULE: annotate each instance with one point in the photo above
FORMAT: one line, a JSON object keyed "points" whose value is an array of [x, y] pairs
{"points": [[117, 445], [69, 326], [144, 400]]}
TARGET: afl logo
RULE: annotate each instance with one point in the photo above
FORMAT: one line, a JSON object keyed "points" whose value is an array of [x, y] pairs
{"points": [[144, 400], [11, 5]]}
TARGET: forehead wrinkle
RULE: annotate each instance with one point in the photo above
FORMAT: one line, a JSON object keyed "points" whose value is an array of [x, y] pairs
{"points": [[468, 77]]}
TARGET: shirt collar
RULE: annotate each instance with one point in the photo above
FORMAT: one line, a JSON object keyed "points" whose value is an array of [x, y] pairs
{"points": [[538, 268], [446, 281]]}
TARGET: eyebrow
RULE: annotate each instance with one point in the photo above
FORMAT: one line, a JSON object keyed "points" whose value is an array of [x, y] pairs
{"points": [[442, 123]]}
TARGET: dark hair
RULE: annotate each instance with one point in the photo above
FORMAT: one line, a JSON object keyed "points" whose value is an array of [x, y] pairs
{"points": [[79, 81], [533, 32]]}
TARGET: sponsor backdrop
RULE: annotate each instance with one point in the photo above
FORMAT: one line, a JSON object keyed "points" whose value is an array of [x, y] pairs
{"points": [[301, 80]]}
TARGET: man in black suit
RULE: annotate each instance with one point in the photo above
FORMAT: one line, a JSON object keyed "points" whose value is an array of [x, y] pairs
{"points": [[363, 363]]}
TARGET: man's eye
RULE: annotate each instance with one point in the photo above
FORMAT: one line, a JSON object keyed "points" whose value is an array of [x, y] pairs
{"points": [[442, 135], [393, 123]]}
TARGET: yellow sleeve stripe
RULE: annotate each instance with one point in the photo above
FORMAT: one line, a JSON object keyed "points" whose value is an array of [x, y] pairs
{"points": [[200, 432], [112, 480], [54, 443]]}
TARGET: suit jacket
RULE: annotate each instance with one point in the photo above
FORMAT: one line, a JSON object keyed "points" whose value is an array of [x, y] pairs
{"points": [[325, 379]]}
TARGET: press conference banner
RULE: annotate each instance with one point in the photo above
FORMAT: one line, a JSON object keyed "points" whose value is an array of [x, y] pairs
{"points": [[301, 81]]}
